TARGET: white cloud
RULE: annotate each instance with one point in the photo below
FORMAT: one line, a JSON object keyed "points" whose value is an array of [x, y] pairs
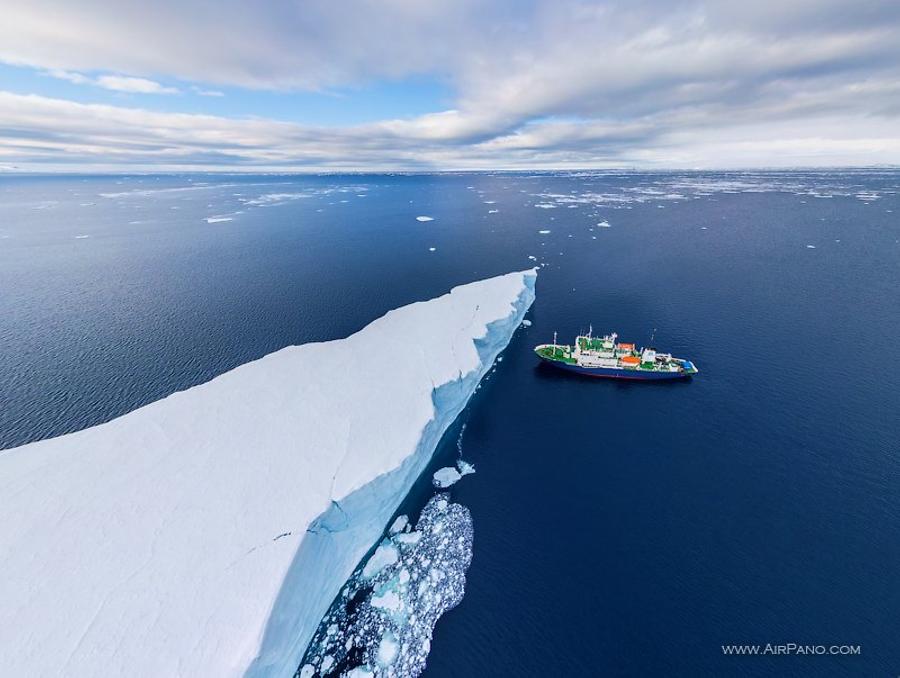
{"points": [[116, 83], [121, 83], [76, 78], [56, 134], [207, 92], [564, 82]]}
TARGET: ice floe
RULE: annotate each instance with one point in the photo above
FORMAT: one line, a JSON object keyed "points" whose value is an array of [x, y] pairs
{"points": [[424, 218], [447, 476], [382, 625]]}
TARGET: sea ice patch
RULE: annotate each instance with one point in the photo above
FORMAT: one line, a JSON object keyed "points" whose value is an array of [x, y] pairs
{"points": [[384, 555], [424, 218], [387, 622]]}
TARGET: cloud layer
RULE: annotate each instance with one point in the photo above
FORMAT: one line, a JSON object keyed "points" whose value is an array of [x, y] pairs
{"points": [[537, 83]]}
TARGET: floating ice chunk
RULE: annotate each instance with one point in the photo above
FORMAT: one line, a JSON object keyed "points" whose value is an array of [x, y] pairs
{"points": [[327, 662], [81, 237], [810, 247], [398, 525], [360, 672], [388, 649], [216, 220], [465, 468], [545, 205], [526, 323], [308, 671], [408, 538], [490, 202], [275, 199], [532, 257], [424, 218], [386, 554], [388, 600], [432, 249], [493, 211], [544, 231], [604, 224], [445, 477]]}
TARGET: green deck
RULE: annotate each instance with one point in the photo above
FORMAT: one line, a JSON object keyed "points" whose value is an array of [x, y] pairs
{"points": [[562, 354]]}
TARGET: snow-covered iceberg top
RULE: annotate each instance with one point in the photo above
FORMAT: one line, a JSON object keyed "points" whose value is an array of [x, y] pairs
{"points": [[207, 533]]}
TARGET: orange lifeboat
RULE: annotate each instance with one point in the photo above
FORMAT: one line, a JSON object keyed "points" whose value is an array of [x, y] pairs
{"points": [[631, 361]]}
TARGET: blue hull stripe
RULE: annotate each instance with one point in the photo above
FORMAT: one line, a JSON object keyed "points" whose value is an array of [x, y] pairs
{"points": [[616, 373]]}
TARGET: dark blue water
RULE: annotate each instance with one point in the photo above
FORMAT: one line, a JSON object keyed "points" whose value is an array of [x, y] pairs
{"points": [[620, 529]]}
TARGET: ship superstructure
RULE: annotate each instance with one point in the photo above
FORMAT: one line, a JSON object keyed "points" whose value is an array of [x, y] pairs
{"points": [[607, 357]]}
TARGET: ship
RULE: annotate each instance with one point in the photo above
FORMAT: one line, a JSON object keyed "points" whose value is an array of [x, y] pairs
{"points": [[608, 358]]}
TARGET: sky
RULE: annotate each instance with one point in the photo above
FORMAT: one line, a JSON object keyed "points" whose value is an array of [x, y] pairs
{"points": [[371, 85]]}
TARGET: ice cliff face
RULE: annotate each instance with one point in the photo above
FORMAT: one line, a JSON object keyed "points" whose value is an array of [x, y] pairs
{"points": [[206, 534]]}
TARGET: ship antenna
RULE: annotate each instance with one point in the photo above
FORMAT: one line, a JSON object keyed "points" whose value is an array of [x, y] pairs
{"points": [[590, 330], [554, 344]]}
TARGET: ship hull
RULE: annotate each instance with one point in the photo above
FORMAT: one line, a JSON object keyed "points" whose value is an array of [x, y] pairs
{"points": [[617, 373]]}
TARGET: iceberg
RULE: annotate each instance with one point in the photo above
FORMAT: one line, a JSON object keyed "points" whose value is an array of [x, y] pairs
{"points": [[207, 534]]}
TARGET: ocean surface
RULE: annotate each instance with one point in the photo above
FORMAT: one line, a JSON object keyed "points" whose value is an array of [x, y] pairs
{"points": [[619, 529]]}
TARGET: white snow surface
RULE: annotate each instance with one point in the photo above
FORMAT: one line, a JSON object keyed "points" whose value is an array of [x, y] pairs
{"points": [[207, 533]]}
